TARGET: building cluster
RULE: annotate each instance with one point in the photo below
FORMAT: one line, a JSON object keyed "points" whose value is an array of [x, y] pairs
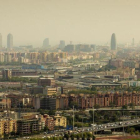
{"points": [[64, 101], [33, 57], [31, 123], [80, 47], [123, 63], [84, 101]]}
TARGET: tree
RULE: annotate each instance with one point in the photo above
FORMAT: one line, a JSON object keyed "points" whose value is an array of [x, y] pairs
{"points": [[132, 133], [112, 105], [46, 128], [78, 136], [84, 135], [96, 106], [66, 136], [93, 137], [124, 107], [51, 112], [131, 105], [75, 104], [137, 132], [93, 88]]}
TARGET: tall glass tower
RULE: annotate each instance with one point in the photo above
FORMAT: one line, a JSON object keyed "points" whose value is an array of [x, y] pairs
{"points": [[113, 42], [9, 41]]}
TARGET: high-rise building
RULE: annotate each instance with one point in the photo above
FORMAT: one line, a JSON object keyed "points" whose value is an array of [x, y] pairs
{"points": [[133, 42], [113, 42], [9, 41], [62, 44], [0, 40], [69, 48], [46, 42]]}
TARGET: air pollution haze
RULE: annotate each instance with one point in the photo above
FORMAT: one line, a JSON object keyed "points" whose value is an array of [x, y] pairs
{"points": [[80, 21]]}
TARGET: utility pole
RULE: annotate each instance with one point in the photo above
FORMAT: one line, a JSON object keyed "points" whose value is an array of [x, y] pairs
{"points": [[73, 118], [93, 122], [82, 127]]}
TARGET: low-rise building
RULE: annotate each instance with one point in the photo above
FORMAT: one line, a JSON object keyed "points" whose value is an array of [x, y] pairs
{"points": [[46, 81], [60, 121]]}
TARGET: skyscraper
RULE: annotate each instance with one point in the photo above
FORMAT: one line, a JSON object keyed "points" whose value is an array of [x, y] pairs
{"points": [[9, 41], [46, 42], [62, 44], [0, 40], [133, 42], [113, 42]]}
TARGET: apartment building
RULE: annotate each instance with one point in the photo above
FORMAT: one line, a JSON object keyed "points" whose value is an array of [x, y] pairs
{"points": [[60, 121], [48, 103], [7, 125], [49, 122], [27, 126]]}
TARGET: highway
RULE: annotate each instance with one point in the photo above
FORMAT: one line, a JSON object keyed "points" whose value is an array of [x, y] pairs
{"points": [[95, 128], [109, 126]]}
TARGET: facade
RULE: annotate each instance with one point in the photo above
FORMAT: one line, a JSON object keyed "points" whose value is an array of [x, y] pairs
{"points": [[60, 121], [6, 73], [113, 42], [49, 122], [50, 91], [116, 63], [69, 48], [48, 103], [134, 83], [5, 103], [36, 102], [25, 127], [106, 85], [62, 102], [9, 41], [131, 64], [34, 89], [20, 100], [23, 73], [7, 126], [46, 82], [105, 100]]}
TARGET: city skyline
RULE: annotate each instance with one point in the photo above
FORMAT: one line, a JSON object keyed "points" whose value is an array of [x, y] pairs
{"points": [[82, 22], [46, 42]]}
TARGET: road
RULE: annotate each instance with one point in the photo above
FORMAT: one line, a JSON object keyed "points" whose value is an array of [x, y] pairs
{"points": [[95, 128]]}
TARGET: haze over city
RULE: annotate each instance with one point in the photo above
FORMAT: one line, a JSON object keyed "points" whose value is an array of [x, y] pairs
{"points": [[70, 69], [80, 21]]}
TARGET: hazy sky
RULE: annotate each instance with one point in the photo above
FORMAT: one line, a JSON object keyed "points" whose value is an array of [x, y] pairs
{"points": [[80, 21]]}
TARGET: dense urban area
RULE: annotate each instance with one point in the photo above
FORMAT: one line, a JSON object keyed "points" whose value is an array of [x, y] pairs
{"points": [[69, 91]]}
